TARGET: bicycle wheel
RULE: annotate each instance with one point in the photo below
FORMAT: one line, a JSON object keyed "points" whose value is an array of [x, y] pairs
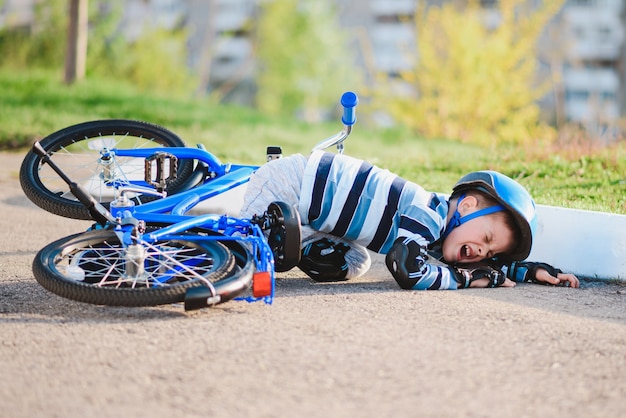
{"points": [[284, 235], [94, 267], [76, 150]]}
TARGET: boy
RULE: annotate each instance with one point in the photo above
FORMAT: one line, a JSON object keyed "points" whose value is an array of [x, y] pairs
{"points": [[348, 206]]}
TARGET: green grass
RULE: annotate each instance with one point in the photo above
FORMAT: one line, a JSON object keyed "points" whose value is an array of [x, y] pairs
{"points": [[36, 103]]}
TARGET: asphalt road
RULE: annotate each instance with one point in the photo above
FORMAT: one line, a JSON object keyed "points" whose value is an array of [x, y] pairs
{"points": [[362, 348]]}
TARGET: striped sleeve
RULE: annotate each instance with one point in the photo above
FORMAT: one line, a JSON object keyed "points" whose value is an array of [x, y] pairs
{"points": [[423, 223], [435, 277], [516, 272]]}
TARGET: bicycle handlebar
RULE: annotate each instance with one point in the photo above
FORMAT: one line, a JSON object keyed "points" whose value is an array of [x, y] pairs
{"points": [[349, 100]]}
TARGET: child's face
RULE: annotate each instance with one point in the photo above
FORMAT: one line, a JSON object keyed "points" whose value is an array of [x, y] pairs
{"points": [[477, 239]]}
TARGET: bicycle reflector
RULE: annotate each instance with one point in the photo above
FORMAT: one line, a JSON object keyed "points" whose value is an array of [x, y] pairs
{"points": [[261, 284]]}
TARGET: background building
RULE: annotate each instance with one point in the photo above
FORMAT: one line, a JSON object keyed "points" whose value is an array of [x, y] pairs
{"points": [[585, 57], [593, 60]]}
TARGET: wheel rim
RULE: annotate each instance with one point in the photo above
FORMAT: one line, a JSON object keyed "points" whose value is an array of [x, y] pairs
{"points": [[106, 264]]}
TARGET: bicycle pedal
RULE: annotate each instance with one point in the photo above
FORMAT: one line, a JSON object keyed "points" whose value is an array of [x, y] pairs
{"points": [[166, 166]]}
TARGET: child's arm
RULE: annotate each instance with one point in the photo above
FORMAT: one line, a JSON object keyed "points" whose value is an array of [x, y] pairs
{"points": [[542, 273], [408, 263], [412, 268]]}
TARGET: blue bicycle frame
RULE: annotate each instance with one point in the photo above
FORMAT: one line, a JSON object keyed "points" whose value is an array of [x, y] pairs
{"points": [[172, 210]]}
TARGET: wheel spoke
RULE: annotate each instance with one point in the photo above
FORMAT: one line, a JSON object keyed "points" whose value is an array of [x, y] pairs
{"points": [[166, 263]]}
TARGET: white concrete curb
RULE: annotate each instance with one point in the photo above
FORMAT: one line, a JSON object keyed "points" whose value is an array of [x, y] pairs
{"points": [[587, 243]]}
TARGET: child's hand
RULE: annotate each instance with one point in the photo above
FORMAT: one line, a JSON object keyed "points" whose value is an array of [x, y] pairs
{"points": [[566, 279], [484, 282]]}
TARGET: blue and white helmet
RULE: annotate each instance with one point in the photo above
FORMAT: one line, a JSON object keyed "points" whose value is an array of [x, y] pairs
{"points": [[513, 197]]}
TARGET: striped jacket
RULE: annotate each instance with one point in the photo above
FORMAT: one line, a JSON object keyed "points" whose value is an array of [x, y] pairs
{"points": [[373, 207]]}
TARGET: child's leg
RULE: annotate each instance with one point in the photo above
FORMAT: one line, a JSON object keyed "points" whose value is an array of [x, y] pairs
{"points": [[357, 258], [278, 180]]}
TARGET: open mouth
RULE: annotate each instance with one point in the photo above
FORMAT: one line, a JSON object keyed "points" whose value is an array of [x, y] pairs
{"points": [[466, 252]]}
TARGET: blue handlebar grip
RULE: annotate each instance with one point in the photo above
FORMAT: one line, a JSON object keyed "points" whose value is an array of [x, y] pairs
{"points": [[349, 100]]}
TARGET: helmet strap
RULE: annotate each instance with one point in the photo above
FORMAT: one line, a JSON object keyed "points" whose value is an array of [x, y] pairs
{"points": [[458, 220]]}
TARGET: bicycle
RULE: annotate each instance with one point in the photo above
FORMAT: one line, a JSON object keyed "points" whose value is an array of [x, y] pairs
{"points": [[144, 248]]}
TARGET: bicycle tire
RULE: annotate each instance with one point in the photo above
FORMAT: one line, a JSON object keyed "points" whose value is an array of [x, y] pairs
{"points": [[99, 255], [73, 154], [284, 236]]}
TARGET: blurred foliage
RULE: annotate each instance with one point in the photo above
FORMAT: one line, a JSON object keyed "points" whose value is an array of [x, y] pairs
{"points": [[475, 83], [303, 58], [42, 44], [34, 104], [156, 60]]}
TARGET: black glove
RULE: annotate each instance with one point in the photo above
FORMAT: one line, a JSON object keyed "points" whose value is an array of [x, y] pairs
{"points": [[406, 260], [526, 271], [465, 274]]}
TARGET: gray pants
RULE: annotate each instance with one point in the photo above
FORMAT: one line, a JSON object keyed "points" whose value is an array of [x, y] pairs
{"points": [[280, 180]]}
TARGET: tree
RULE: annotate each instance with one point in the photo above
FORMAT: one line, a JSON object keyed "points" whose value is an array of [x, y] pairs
{"points": [[475, 83], [76, 55], [54, 36], [41, 43], [304, 61]]}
